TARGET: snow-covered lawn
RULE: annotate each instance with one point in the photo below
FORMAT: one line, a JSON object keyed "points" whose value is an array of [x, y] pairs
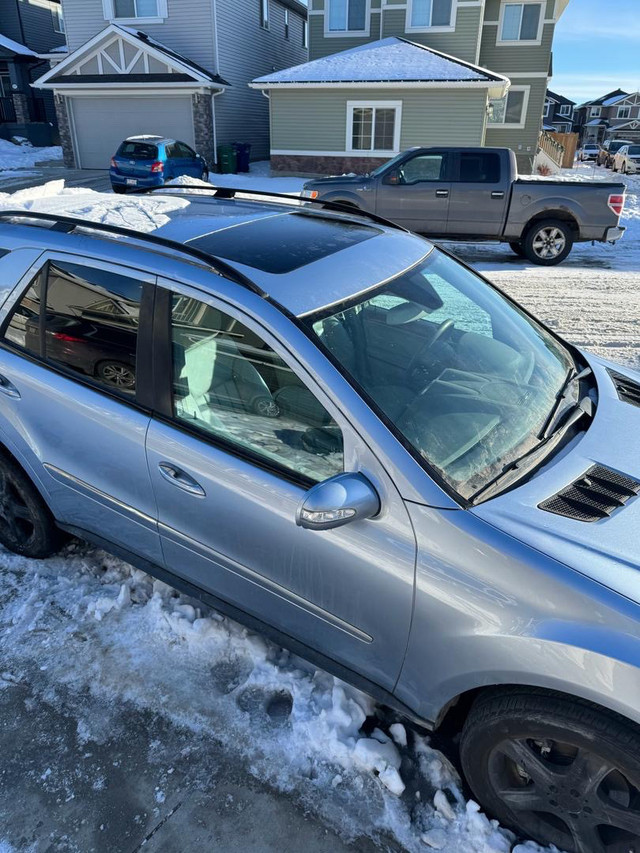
{"points": [[94, 625], [18, 160]]}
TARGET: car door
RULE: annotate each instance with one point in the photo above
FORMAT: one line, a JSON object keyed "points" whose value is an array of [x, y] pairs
{"points": [[416, 193], [74, 372], [235, 446], [479, 197], [191, 164]]}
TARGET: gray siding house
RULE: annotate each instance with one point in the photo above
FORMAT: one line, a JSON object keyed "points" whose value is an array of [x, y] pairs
{"points": [[176, 68], [509, 39], [613, 116], [558, 113]]}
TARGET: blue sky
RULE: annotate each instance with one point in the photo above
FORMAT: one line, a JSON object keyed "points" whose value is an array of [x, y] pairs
{"points": [[597, 49]]}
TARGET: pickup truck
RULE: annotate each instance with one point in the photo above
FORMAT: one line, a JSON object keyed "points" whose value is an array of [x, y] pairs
{"points": [[475, 194]]}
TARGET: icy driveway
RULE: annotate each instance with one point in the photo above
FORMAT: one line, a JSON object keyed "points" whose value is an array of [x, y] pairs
{"points": [[128, 713]]}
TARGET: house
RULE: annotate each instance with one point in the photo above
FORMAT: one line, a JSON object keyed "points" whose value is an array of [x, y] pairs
{"points": [[622, 114], [29, 29], [592, 118], [558, 113], [412, 72], [176, 68]]}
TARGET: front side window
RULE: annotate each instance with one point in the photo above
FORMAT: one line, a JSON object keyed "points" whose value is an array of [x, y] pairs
{"points": [[424, 14], [230, 385], [510, 110], [423, 168], [462, 376], [89, 324], [135, 8], [373, 127], [347, 16], [521, 21]]}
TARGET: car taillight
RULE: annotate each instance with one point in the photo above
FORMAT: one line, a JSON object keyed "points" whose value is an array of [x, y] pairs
{"points": [[158, 166], [616, 203], [60, 336], [114, 165]]}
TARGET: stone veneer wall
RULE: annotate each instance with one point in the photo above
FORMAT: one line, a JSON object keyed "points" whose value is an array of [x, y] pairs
{"points": [[298, 164], [64, 129], [203, 127]]}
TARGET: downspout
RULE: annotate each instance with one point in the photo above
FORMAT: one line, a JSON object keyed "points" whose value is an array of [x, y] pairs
{"points": [[216, 65], [215, 131]]}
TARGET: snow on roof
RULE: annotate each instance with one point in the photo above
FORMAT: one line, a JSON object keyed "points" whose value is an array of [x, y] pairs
{"points": [[61, 48], [610, 101], [15, 47], [388, 60]]}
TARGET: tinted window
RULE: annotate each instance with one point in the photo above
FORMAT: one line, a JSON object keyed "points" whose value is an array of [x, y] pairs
{"points": [[228, 383], [185, 151], [480, 168], [425, 167], [22, 330], [634, 150], [138, 151]]}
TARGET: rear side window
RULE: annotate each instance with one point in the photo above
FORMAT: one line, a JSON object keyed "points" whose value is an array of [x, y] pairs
{"points": [[480, 168], [138, 151], [84, 320], [184, 150]]}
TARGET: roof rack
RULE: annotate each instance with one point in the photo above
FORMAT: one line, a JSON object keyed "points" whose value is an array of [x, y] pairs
{"points": [[66, 224], [231, 192]]}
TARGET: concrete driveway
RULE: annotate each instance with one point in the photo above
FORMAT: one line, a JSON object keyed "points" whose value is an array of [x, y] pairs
{"points": [[93, 179]]}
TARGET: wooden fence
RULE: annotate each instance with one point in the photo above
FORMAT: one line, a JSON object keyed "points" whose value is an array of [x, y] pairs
{"points": [[570, 143]]}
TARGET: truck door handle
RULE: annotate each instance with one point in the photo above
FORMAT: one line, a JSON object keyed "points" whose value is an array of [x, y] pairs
{"points": [[442, 193], [8, 388], [181, 479], [497, 194]]}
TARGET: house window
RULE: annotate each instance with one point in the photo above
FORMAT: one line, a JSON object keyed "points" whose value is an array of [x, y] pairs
{"points": [[347, 16], [58, 19], [511, 110], [424, 14], [547, 106], [565, 110], [373, 126], [624, 112], [305, 34], [521, 22], [264, 14], [595, 112], [135, 9]]}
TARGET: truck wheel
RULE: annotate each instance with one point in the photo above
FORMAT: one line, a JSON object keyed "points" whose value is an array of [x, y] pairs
{"points": [[548, 242], [556, 769], [517, 249]]}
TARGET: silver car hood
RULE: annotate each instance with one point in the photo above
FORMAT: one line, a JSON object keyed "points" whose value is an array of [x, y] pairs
{"points": [[607, 550]]}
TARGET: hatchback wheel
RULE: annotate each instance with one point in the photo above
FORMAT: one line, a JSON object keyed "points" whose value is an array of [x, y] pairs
{"points": [[117, 373], [558, 770], [266, 407], [548, 242], [26, 525]]}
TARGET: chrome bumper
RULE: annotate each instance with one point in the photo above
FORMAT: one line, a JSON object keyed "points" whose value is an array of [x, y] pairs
{"points": [[612, 235]]}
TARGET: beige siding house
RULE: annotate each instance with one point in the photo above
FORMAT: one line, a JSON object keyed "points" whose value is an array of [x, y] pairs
{"points": [[507, 41]]}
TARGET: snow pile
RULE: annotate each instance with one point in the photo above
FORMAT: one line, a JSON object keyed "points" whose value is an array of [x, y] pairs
{"points": [[24, 157], [93, 624]]}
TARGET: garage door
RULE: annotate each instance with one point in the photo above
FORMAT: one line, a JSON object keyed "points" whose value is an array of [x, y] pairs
{"points": [[101, 123]]}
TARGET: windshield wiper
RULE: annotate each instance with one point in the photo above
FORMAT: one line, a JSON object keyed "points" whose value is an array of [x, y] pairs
{"points": [[572, 377]]}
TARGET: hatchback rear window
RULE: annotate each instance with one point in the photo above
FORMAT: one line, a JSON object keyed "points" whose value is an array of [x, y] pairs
{"points": [[138, 151]]}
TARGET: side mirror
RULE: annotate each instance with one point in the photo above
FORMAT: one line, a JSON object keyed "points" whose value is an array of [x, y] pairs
{"points": [[392, 177], [337, 501]]}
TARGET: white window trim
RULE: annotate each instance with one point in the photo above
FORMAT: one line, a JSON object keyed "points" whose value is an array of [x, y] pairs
{"points": [[595, 112], [525, 108], [109, 10], [365, 152], [341, 34], [623, 107], [565, 110], [547, 107], [500, 42], [265, 14], [440, 29], [57, 15]]}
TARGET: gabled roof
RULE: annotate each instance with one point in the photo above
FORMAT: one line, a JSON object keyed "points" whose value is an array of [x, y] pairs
{"points": [[632, 97], [15, 47], [560, 99], [389, 62], [121, 56], [599, 102]]}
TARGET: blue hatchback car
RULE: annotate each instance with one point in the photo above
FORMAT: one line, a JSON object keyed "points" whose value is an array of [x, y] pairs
{"points": [[150, 161]]}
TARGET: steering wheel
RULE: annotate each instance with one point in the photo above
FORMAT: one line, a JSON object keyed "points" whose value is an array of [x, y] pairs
{"points": [[444, 329]]}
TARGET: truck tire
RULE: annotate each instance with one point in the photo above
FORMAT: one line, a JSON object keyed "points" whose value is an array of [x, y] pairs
{"points": [[554, 768], [517, 249], [548, 242]]}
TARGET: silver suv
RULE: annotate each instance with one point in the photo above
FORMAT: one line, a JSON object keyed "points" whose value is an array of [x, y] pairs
{"points": [[337, 433]]}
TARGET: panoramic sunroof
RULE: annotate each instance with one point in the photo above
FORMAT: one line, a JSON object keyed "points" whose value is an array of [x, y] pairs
{"points": [[285, 242]]}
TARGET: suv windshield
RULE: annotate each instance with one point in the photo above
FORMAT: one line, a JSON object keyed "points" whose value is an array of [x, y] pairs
{"points": [[464, 377]]}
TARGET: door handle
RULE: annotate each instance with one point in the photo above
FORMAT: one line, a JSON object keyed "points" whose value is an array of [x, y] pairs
{"points": [[442, 193], [497, 194], [8, 388], [181, 479]]}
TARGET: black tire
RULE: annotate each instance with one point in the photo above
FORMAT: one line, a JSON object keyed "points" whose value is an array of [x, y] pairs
{"points": [[26, 525], [118, 374], [551, 236], [556, 769], [517, 249], [118, 189]]}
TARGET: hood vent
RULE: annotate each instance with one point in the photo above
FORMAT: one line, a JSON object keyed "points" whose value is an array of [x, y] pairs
{"points": [[596, 495], [628, 390]]}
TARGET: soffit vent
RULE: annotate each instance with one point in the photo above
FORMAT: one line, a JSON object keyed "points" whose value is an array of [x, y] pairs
{"points": [[628, 390], [596, 495]]}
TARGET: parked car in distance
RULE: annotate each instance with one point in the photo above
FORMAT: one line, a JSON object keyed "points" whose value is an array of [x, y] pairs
{"points": [[627, 160], [609, 149], [589, 151], [437, 511], [151, 161], [475, 194]]}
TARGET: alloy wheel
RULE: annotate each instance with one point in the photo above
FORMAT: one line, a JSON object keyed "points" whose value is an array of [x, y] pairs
{"points": [[549, 242], [118, 374]]}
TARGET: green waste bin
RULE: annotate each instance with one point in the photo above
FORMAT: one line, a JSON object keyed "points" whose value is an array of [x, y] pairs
{"points": [[227, 159]]}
